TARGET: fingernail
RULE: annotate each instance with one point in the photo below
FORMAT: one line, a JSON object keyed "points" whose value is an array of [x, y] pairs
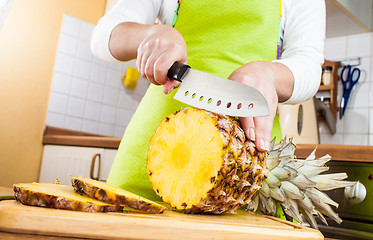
{"points": [[252, 134], [264, 144], [169, 91]]}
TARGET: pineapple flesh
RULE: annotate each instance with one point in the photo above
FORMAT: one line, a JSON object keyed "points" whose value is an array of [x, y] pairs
{"points": [[114, 195], [58, 196], [200, 162]]}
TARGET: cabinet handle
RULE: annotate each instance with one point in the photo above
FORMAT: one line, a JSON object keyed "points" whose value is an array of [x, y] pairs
{"points": [[93, 162]]}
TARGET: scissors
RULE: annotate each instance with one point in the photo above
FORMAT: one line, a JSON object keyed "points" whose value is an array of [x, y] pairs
{"points": [[349, 76]]}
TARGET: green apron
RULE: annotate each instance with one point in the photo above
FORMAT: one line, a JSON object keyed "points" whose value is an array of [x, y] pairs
{"points": [[221, 36]]}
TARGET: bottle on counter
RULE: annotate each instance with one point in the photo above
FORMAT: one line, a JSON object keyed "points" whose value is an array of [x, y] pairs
{"points": [[326, 75]]}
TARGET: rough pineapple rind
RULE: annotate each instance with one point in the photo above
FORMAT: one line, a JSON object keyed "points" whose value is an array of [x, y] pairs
{"points": [[36, 194], [240, 175], [113, 195]]}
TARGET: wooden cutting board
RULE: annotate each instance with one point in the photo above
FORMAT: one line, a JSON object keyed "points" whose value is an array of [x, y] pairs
{"points": [[15, 217]]}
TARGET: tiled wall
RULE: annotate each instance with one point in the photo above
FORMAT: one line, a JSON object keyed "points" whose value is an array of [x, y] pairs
{"points": [[87, 93], [4, 9], [356, 126]]}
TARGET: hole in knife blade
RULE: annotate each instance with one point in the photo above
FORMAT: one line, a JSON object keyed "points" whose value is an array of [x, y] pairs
{"points": [[209, 101], [218, 103], [239, 106], [194, 95], [201, 99], [229, 104], [186, 93], [251, 105]]}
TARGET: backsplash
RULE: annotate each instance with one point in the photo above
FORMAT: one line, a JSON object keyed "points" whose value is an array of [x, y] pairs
{"points": [[87, 93], [356, 126]]}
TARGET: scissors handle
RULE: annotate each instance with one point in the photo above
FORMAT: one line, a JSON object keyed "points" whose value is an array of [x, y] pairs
{"points": [[355, 77], [351, 77]]}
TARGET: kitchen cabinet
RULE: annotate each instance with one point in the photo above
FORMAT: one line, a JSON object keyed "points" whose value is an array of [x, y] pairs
{"points": [[346, 17], [60, 161]]}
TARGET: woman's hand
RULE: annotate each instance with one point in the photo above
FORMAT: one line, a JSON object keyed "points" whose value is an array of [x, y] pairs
{"points": [[161, 47], [267, 79]]}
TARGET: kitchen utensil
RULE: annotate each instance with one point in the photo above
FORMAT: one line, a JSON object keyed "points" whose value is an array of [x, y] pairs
{"points": [[324, 112], [216, 94], [299, 121], [349, 76], [15, 217], [6, 197]]}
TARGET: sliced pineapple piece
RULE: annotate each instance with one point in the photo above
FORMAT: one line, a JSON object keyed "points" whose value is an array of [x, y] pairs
{"points": [[59, 196], [114, 195]]}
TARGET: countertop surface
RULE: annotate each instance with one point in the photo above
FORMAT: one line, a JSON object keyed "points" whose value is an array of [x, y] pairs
{"points": [[337, 152], [59, 136]]}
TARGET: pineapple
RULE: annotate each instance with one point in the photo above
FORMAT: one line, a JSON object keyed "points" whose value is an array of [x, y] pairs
{"points": [[113, 195], [201, 162], [59, 196], [297, 185]]}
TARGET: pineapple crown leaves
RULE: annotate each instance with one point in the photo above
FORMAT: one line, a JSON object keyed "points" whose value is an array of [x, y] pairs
{"points": [[298, 185]]}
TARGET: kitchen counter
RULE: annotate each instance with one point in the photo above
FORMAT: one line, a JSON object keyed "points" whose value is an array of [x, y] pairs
{"points": [[60, 136], [337, 152]]}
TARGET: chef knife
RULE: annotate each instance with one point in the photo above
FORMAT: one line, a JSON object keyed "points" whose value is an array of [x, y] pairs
{"points": [[217, 94]]}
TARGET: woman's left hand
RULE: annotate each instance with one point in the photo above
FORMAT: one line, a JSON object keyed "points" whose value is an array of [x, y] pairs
{"points": [[261, 76]]}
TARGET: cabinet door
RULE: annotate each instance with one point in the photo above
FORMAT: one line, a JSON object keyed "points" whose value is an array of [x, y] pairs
{"points": [[107, 161], [60, 161]]}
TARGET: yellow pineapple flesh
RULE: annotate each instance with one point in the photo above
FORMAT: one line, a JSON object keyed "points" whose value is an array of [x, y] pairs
{"points": [[60, 197], [201, 162]]}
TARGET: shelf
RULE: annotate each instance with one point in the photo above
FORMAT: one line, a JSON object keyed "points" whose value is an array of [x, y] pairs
{"points": [[332, 87], [325, 87]]}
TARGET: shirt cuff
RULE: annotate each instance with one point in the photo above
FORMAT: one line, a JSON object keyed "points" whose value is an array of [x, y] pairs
{"points": [[100, 40], [307, 77]]}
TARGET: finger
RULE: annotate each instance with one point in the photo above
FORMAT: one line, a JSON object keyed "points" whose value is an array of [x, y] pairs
{"points": [[146, 53], [263, 130], [170, 85], [248, 126], [163, 64], [149, 70]]}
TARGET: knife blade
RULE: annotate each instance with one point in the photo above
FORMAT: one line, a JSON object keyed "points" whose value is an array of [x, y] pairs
{"points": [[217, 94]]}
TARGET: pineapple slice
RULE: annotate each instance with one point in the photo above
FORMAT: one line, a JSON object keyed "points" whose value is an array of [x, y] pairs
{"points": [[200, 162], [114, 195], [59, 196]]}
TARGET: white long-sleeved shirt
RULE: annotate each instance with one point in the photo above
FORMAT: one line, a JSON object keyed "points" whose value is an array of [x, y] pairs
{"points": [[302, 36]]}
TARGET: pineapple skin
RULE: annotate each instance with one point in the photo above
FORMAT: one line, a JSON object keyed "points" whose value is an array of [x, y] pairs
{"points": [[34, 198], [105, 195], [240, 175]]}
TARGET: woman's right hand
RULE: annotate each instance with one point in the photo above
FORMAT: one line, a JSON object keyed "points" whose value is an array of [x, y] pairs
{"points": [[161, 47]]}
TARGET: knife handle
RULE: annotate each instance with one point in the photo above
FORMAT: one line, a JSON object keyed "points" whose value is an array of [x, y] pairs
{"points": [[177, 70]]}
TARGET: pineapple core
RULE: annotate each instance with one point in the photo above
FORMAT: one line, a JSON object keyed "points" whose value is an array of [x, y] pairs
{"points": [[186, 152]]}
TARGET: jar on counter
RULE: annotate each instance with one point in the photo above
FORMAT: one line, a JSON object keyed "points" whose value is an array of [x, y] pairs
{"points": [[327, 75]]}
